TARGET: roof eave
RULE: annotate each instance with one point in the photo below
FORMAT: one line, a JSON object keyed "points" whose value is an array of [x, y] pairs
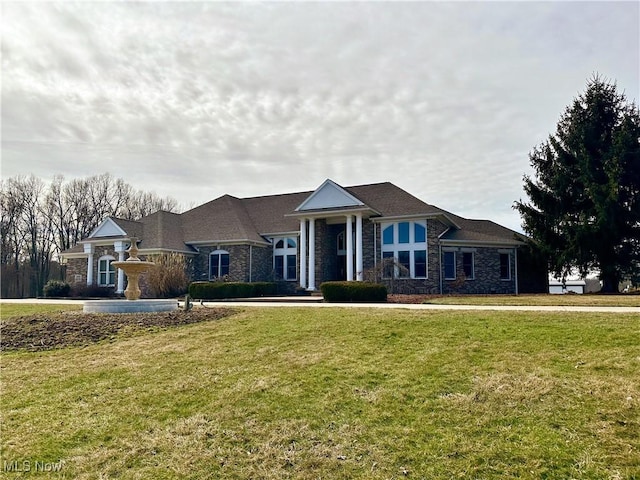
{"points": [[440, 216], [494, 243], [237, 241], [332, 212]]}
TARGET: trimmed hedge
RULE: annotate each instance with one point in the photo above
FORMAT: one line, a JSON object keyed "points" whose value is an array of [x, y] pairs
{"points": [[353, 292], [221, 290]]}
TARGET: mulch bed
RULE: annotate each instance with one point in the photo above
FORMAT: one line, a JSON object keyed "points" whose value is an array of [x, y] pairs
{"points": [[400, 298], [67, 329]]}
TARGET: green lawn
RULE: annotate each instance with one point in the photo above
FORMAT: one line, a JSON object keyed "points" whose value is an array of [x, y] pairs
{"points": [[589, 300], [335, 393]]}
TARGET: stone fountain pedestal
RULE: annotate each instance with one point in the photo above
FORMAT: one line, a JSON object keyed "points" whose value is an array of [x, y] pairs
{"points": [[133, 267], [129, 306]]}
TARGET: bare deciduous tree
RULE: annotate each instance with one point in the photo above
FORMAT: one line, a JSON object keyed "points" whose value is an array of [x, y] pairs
{"points": [[38, 222]]}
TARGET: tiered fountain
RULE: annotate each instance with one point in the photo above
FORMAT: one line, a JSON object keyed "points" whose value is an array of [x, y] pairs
{"points": [[133, 267]]}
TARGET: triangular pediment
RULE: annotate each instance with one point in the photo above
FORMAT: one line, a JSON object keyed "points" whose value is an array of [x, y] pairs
{"points": [[108, 228], [329, 195]]}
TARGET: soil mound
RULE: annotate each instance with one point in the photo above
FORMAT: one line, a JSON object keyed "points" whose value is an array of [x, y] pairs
{"points": [[74, 328]]}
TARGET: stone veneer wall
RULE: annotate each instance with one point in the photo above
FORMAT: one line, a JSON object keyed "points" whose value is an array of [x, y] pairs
{"points": [[241, 259], [322, 250], [487, 273], [369, 241], [77, 267], [76, 271]]}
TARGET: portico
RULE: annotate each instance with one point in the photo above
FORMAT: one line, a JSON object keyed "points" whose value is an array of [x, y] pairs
{"points": [[106, 273], [334, 205], [353, 247]]}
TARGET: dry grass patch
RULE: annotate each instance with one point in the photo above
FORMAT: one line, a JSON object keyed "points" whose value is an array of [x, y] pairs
{"points": [[337, 393], [587, 300]]}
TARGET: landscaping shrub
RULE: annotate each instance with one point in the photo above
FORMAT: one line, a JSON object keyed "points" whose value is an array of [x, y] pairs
{"points": [[220, 290], [92, 291], [353, 292], [168, 277], [56, 288]]}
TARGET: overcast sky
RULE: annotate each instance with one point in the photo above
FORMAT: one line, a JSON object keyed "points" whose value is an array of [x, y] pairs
{"points": [[195, 100]]}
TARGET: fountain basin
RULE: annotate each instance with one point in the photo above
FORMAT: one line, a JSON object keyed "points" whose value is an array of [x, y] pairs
{"points": [[129, 306]]}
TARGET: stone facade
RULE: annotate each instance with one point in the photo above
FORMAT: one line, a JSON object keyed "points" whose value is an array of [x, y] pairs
{"points": [[486, 278], [255, 263], [246, 263], [76, 271]]}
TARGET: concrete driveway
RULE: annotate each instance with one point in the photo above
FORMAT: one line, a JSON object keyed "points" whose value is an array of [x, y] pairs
{"points": [[316, 302]]}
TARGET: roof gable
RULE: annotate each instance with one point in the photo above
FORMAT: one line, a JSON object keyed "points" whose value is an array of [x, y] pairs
{"points": [[329, 195], [108, 228]]}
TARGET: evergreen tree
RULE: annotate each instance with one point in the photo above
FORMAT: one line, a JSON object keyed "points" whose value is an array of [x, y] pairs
{"points": [[584, 201]]}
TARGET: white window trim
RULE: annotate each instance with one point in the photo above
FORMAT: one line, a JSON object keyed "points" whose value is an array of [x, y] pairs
{"points": [[110, 259], [285, 252], [411, 247], [218, 252], [473, 264]]}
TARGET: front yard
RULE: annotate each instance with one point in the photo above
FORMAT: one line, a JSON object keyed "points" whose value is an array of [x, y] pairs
{"points": [[332, 393]]}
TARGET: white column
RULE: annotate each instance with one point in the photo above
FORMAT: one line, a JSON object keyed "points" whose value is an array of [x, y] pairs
{"points": [[303, 253], [359, 263], [88, 249], [349, 239], [120, 247], [312, 255]]}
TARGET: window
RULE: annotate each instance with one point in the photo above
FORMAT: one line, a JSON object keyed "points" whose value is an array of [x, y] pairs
{"points": [[404, 260], [106, 271], [468, 266], [388, 266], [403, 232], [405, 243], [505, 266], [218, 264], [285, 258], [420, 262], [449, 265], [342, 246], [387, 235], [342, 243], [420, 233]]}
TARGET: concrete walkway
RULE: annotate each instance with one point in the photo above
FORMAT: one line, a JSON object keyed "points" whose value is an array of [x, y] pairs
{"points": [[316, 302]]}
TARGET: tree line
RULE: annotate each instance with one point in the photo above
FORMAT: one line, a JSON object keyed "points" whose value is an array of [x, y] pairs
{"points": [[40, 220]]}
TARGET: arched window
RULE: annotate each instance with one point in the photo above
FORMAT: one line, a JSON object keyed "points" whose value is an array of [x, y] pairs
{"points": [[404, 244], [218, 264], [106, 271], [285, 255]]}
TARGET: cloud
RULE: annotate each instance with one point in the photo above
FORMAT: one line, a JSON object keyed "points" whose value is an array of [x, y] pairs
{"points": [[200, 99]]}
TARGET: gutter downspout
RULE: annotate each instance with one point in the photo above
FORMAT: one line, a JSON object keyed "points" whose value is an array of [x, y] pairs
{"points": [[440, 265], [250, 263]]}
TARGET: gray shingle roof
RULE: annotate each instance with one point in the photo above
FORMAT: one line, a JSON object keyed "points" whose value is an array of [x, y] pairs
{"points": [[162, 230], [224, 219], [242, 220], [391, 201], [481, 231]]}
